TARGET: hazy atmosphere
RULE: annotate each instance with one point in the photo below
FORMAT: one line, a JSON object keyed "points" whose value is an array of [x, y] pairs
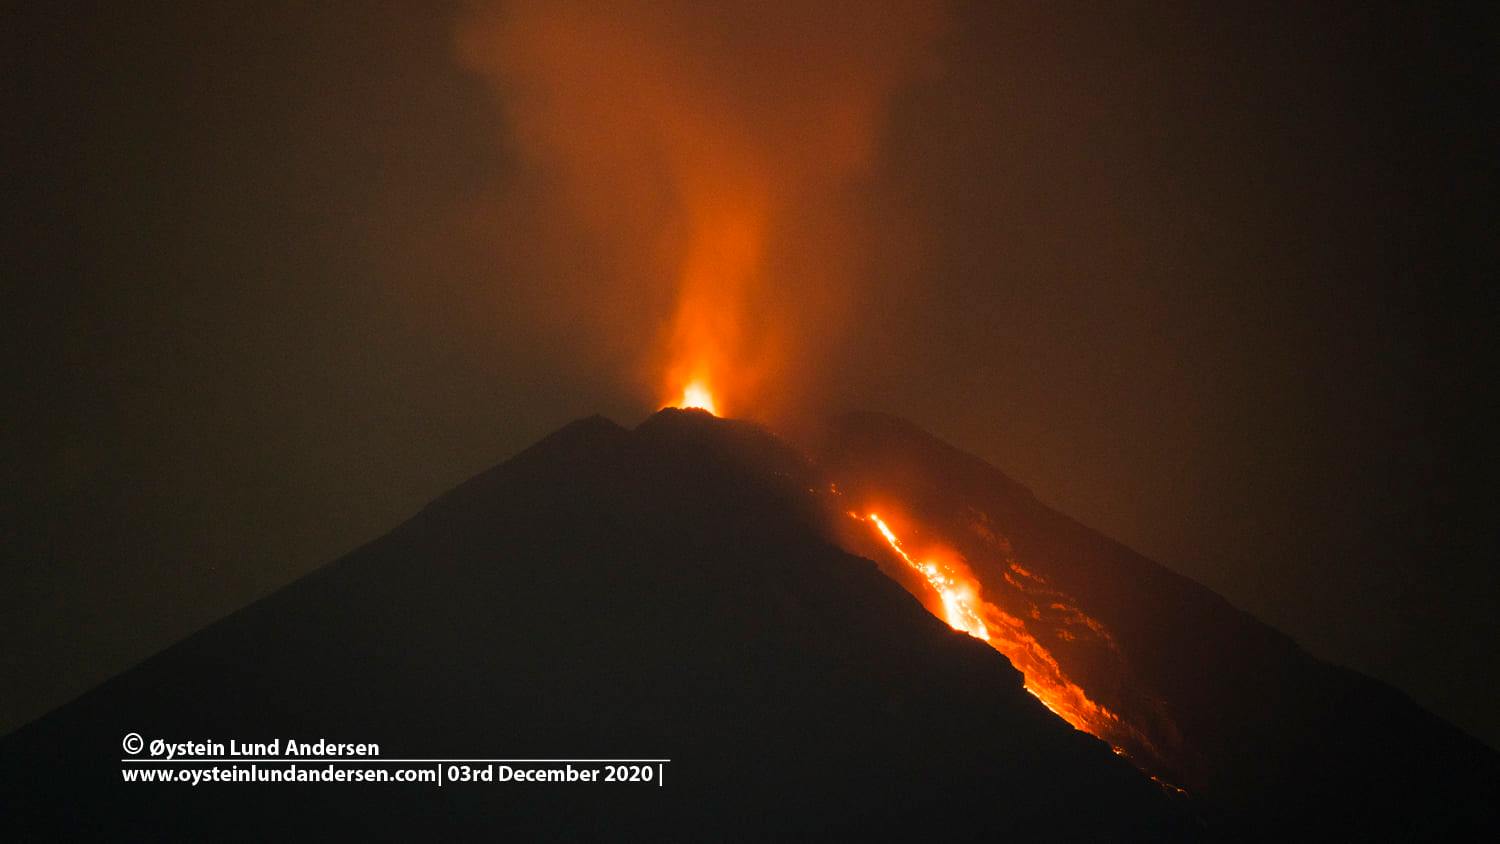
{"points": [[1211, 279]]}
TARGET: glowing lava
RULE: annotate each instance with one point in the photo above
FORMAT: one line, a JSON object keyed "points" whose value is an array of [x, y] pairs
{"points": [[696, 395], [965, 609], [960, 598]]}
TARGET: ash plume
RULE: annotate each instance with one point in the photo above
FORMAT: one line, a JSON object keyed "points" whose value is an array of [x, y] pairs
{"points": [[686, 195]]}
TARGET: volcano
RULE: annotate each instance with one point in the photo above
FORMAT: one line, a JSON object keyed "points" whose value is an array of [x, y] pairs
{"points": [[698, 590]]}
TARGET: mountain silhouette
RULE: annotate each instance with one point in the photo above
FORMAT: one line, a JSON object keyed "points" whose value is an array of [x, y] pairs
{"points": [[694, 589], [664, 592]]}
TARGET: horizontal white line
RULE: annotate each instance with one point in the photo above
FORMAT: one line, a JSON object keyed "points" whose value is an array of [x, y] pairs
{"points": [[197, 759]]}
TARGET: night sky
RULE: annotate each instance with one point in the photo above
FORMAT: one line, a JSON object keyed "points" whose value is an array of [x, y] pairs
{"points": [[1215, 280]]}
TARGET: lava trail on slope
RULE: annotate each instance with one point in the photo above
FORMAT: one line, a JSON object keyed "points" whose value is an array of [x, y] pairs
{"points": [[1269, 741]]}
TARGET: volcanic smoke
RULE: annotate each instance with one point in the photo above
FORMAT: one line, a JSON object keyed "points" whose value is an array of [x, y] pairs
{"points": [[704, 154], [711, 148]]}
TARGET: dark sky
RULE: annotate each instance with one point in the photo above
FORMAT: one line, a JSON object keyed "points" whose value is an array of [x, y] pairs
{"points": [[1213, 279]]}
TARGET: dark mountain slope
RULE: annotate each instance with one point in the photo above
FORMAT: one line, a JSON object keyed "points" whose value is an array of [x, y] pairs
{"points": [[663, 592], [1277, 743]]}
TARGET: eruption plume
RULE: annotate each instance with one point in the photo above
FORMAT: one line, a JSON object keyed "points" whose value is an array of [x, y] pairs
{"points": [[704, 153]]}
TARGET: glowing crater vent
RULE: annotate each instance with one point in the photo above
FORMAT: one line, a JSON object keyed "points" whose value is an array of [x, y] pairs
{"points": [[697, 395]]}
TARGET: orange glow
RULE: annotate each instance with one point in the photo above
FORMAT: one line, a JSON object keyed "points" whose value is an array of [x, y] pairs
{"points": [[688, 172], [960, 596], [696, 395]]}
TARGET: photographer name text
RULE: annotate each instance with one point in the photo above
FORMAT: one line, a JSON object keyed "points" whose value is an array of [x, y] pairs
{"points": [[274, 749]]}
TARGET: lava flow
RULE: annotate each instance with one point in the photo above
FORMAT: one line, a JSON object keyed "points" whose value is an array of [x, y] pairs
{"points": [[965, 609], [959, 594]]}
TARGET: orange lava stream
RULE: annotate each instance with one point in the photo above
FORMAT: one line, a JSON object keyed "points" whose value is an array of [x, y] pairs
{"points": [[965, 609], [959, 597]]}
